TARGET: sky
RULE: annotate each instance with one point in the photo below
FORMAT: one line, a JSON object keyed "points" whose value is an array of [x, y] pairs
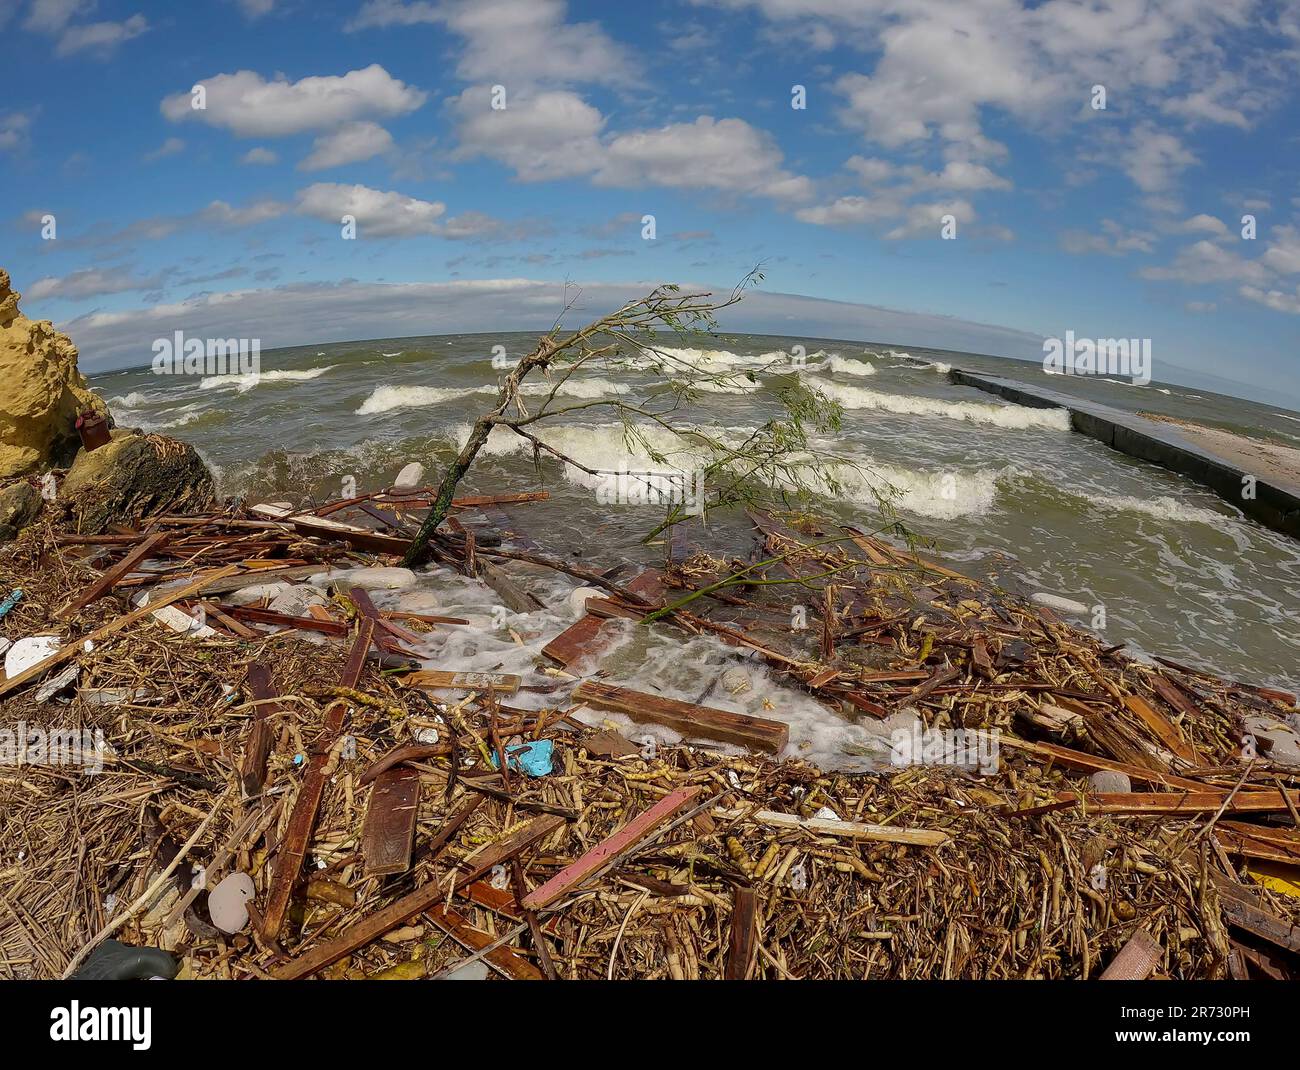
{"points": [[972, 176]]}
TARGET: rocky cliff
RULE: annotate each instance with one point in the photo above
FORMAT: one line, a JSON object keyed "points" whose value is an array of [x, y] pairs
{"points": [[42, 391]]}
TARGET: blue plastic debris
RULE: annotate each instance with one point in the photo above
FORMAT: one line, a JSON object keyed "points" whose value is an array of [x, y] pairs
{"points": [[14, 598], [531, 758]]}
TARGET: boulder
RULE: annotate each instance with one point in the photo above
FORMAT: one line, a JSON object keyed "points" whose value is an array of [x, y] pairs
{"points": [[43, 391], [133, 476], [19, 504]]}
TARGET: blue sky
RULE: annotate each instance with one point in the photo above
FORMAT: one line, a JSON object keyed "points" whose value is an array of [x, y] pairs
{"points": [[1117, 222]]}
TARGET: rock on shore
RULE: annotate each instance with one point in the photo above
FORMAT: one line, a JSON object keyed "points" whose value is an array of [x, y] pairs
{"points": [[43, 391]]}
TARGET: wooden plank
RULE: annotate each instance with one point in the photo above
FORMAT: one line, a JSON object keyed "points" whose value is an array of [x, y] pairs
{"points": [[302, 822], [1091, 763], [503, 959], [505, 683], [854, 830], [686, 717], [743, 944], [1243, 909], [583, 638], [609, 850], [1162, 728], [335, 531], [1258, 841], [71, 650], [389, 831], [257, 748], [1136, 959], [512, 596], [1204, 802], [105, 582], [477, 501]]}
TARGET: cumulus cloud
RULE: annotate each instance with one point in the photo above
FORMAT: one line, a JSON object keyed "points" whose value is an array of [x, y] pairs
{"points": [[547, 135], [1114, 240], [1278, 300], [14, 129], [102, 37], [350, 143], [248, 105], [513, 41], [1204, 261], [259, 155], [378, 213], [171, 147]]}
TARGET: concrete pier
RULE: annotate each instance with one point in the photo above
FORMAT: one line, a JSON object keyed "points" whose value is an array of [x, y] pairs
{"points": [[1276, 503]]}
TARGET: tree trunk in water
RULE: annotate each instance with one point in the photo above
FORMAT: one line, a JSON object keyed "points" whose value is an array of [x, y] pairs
{"points": [[447, 491]]}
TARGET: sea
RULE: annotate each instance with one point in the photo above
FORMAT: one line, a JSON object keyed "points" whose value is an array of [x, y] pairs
{"points": [[999, 491]]}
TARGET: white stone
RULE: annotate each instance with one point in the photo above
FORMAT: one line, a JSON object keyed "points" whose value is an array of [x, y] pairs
{"points": [[228, 902], [409, 477]]}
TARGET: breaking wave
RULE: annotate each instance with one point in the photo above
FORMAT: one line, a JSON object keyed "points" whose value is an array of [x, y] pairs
{"points": [[245, 383], [1163, 508], [388, 398], [1009, 416]]}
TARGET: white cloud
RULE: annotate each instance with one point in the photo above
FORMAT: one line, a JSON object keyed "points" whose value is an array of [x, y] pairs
{"points": [[514, 42], [51, 16], [1277, 300], [259, 155], [1205, 224], [1283, 253], [1114, 240], [851, 211], [548, 135], [1204, 261], [14, 129], [723, 154], [1155, 158], [171, 147], [378, 213], [256, 9], [350, 143], [313, 313], [103, 37], [248, 105], [91, 282]]}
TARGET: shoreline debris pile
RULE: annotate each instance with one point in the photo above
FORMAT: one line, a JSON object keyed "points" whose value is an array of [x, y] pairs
{"points": [[288, 790]]}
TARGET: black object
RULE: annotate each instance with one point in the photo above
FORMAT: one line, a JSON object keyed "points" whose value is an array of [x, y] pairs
{"points": [[116, 961]]}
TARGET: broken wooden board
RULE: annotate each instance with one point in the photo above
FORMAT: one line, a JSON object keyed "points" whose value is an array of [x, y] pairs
{"points": [[71, 650], [335, 531], [105, 582], [252, 769], [1259, 841], [302, 822], [502, 959], [854, 830], [506, 848], [610, 850], [686, 717], [1179, 802], [583, 638], [512, 595], [503, 683], [1136, 959], [1243, 909], [389, 831], [1082, 762], [1162, 728], [743, 943]]}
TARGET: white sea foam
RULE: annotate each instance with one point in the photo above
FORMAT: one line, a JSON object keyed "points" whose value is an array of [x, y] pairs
{"points": [[133, 400], [1162, 508], [388, 398], [1010, 416], [848, 366], [245, 383], [592, 389]]}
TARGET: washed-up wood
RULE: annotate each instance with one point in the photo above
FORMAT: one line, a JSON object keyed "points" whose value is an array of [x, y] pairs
{"points": [[105, 582], [853, 830], [389, 831], [512, 595], [293, 849], [686, 717], [1259, 841], [504, 683], [257, 745], [1081, 762], [1136, 959], [478, 501], [1243, 909], [609, 851], [508, 847], [71, 650], [1203, 802], [505, 961], [1161, 728], [335, 531], [583, 638], [743, 943]]}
